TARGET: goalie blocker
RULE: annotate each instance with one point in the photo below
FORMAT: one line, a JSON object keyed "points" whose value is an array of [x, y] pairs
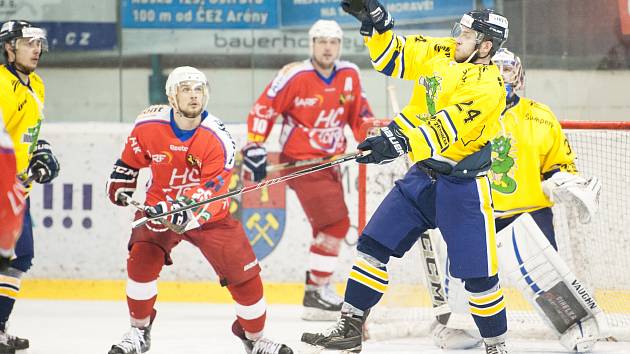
{"points": [[528, 261]]}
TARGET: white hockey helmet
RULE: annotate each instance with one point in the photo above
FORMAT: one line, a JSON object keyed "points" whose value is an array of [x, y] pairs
{"points": [[511, 69], [325, 28], [183, 74]]}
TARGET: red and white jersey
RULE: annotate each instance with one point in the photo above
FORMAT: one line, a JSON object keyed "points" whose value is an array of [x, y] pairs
{"points": [[12, 195], [315, 110], [194, 164]]}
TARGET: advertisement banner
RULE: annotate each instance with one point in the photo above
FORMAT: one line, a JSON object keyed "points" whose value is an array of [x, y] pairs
{"points": [[80, 35], [201, 14], [91, 25], [302, 13]]}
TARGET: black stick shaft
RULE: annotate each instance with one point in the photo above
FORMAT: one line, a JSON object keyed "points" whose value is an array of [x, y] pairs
{"points": [[260, 185]]}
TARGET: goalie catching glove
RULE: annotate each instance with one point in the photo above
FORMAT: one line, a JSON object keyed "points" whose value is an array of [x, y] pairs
{"points": [[386, 147], [255, 161], [576, 191], [122, 180], [43, 166], [371, 13]]}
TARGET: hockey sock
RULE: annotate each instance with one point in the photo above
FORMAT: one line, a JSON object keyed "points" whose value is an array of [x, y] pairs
{"points": [[487, 306], [143, 268], [323, 258], [9, 289], [367, 282], [251, 308]]}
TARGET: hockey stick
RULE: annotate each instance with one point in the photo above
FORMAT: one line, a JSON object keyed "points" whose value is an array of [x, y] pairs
{"points": [[434, 279], [393, 99], [302, 163], [262, 184], [429, 255]]}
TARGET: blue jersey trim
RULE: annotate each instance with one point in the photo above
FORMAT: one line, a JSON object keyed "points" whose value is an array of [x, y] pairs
{"points": [[182, 134]]}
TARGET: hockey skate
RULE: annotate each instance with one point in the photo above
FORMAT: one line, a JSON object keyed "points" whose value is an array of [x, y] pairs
{"points": [[498, 348], [136, 341], [453, 338], [321, 303], [346, 335], [9, 343], [260, 346]]}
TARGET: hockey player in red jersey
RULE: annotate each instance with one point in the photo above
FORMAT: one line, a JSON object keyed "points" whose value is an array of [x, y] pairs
{"points": [[190, 154], [317, 98], [12, 200]]}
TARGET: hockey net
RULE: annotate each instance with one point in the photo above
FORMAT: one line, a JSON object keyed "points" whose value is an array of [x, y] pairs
{"points": [[598, 252]]}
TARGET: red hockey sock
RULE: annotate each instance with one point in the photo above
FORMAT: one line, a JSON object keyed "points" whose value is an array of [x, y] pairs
{"points": [[251, 309], [325, 250], [143, 267]]}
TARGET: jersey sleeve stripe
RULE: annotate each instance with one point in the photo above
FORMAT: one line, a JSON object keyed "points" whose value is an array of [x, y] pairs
{"points": [[391, 65], [406, 120], [426, 137], [402, 60], [377, 61], [222, 145], [451, 125], [6, 150]]}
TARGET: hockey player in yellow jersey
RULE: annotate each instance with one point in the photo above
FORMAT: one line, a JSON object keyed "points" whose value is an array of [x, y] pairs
{"points": [[445, 129], [22, 103], [533, 167]]}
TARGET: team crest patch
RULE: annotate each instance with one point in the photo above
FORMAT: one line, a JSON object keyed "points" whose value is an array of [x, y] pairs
{"points": [[262, 212], [193, 161]]}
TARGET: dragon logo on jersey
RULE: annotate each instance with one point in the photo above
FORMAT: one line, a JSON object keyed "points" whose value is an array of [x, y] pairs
{"points": [[432, 86], [502, 172], [262, 212]]}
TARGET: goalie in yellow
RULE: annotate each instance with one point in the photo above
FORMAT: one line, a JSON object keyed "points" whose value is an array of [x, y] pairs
{"points": [[445, 129]]}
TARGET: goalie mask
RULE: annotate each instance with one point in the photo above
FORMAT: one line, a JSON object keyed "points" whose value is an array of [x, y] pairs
{"points": [[13, 30], [489, 25], [189, 76], [325, 29], [511, 69]]}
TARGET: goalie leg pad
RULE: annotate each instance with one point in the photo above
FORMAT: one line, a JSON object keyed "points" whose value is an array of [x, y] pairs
{"points": [[529, 261]]}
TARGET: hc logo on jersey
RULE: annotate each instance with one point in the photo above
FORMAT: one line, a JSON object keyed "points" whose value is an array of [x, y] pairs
{"points": [[263, 215]]}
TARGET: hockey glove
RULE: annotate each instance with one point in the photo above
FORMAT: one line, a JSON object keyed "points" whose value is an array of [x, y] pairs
{"points": [[123, 180], [255, 161], [372, 12], [183, 220], [356, 9], [391, 144], [43, 166]]}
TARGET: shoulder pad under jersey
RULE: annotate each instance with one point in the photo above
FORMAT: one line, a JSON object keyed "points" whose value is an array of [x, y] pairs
{"points": [[286, 74], [220, 131], [155, 112]]}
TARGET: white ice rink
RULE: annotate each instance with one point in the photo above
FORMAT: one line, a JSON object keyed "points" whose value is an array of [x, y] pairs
{"points": [[84, 327]]}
